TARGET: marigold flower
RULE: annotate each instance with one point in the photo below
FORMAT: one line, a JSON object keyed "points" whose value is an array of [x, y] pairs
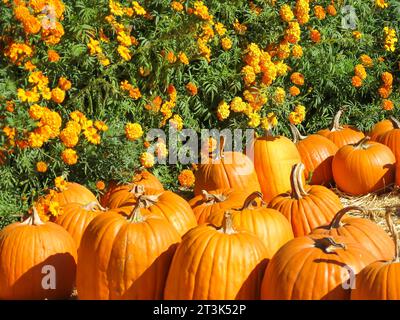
{"points": [[286, 13], [35, 140], [64, 84], [387, 79], [294, 91], [29, 66], [176, 122], [239, 27], [171, 58], [254, 119], [381, 4], [133, 131], [390, 39], [223, 111], [183, 58], [69, 156], [360, 72], [238, 105], [191, 88], [319, 12], [100, 125], [331, 10], [200, 10], [139, 10], [384, 92], [147, 160], [357, 35], [356, 81], [124, 52], [100, 185], [220, 28], [41, 167], [161, 150], [60, 183], [315, 36], [10, 106], [249, 75], [302, 10], [366, 60], [57, 95], [269, 122], [177, 6], [297, 78], [186, 178], [135, 93], [226, 43], [297, 51], [387, 105], [292, 33], [279, 95], [53, 56]]}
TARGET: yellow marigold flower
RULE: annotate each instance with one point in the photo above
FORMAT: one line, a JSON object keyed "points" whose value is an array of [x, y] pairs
{"points": [[60, 183], [279, 95], [161, 150], [53, 120], [36, 111], [238, 105], [249, 75], [286, 13], [384, 92], [177, 122], [223, 111], [292, 33], [69, 156], [297, 78], [186, 178], [281, 68], [191, 88], [297, 51], [204, 50], [30, 96], [64, 84], [183, 58], [139, 10], [239, 28], [331, 10], [269, 122], [133, 131], [357, 35], [69, 136], [116, 8], [356, 81], [294, 91], [360, 72], [147, 160], [125, 85], [177, 6], [381, 4], [41, 167], [201, 11], [100, 125], [283, 51], [53, 56], [124, 39], [254, 119], [124, 52], [270, 73], [220, 28], [94, 46], [319, 12], [9, 132], [387, 105], [387, 79], [46, 93], [57, 95], [298, 115], [315, 36], [29, 66], [35, 140], [226, 43], [366, 60], [302, 10]]}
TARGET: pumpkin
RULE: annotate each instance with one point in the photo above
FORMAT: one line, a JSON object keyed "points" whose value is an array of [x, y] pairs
{"points": [[341, 135], [273, 160], [208, 202], [125, 257], [316, 153], [75, 218], [381, 279], [314, 267], [363, 231], [33, 254], [381, 128], [217, 263], [74, 192], [364, 167], [227, 170], [116, 194], [306, 207], [392, 139], [268, 224], [398, 174]]}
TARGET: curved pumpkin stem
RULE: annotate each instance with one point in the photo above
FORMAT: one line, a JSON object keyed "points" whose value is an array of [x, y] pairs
{"points": [[329, 245], [395, 236], [94, 206], [335, 223], [211, 198], [335, 126], [249, 202], [296, 134], [227, 224], [296, 181], [362, 144], [135, 215], [396, 123], [34, 219]]}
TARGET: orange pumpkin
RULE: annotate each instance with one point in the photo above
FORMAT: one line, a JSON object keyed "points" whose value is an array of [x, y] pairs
{"points": [[125, 257], [363, 231], [228, 170], [381, 128], [392, 139], [208, 202], [398, 174], [381, 279], [364, 167], [273, 160], [221, 264], [316, 153], [74, 192], [33, 254], [341, 135], [306, 207], [268, 224], [313, 268]]}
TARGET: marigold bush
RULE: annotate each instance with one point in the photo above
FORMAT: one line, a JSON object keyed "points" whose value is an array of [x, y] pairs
{"points": [[82, 82]]}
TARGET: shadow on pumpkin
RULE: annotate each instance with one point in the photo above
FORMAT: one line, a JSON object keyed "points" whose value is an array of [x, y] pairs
{"points": [[251, 288]]}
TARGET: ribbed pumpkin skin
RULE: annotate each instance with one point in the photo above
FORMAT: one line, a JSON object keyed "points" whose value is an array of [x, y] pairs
{"points": [[342, 137], [302, 271], [75, 193], [378, 281], [203, 209], [210, 264], [234, 170], [311, 211], [25, 250], [360, 171], [274, 158], [380, 128], [267, 224], [317, 153], [392, 140], [123, 260]]}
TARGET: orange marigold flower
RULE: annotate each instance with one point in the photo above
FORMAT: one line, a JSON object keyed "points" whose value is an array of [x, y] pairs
{"points": [[100, 185], [171, 58], [226, 43], [286, 13], [356, 81], [294, 91], [387, 79], [57, 95], [360, 72], [177, 6], [64, 84], [69, 156], [53, 56], [384, 92], [183, 58], [29, 66], [387, 105], [36, 111], [191, 88], [297, 78], [10, 106], [41, 167], [331, 10], [357, 35], [186, 178], [297, 51], [319, 12], [315, 36], [133, 131], [366, 60]]}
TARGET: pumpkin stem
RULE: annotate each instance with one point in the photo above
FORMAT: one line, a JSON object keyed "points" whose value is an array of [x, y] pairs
{"points": [[396, 122], [137, 190], [362, 144], [211, 198], [297, 137], [135, 215], [268, 133], [395, 236], [249, 202], [335, 223], [33, 219], [94, 206], [296, 181], [335, 126], [329, 245], [227, 224]]}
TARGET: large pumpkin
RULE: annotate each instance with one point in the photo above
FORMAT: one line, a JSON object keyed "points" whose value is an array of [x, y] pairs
{"points": [[208, 202], [313, 268], [37, 260], [274, 158], [392, 139], [217, 264], [364, 167], [363, 231], [306, 207], [268, 224], [74, 192], [381, 128], [316, 153], [381, 279], [227, 170], [125, 257], [341, 135]]}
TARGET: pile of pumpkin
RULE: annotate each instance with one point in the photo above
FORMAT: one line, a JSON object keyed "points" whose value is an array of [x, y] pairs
{"points": [[271, 229]]}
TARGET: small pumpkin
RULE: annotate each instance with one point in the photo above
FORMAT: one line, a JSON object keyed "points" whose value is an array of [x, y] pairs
{"points": [[268, 224], [392, 139], [341, 135], [364, 167], [125, 257], [316, 153], [273, 160], [228, 170], [217, 264], [210, 201], [306, 207], [314, 267], [31, 251], [381, 128], [74, 192], [381, 279], [363, 231]]}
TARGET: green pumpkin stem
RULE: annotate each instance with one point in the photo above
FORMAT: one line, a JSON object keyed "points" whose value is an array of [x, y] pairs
{"points": [[336, 221], [395, 236]]}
